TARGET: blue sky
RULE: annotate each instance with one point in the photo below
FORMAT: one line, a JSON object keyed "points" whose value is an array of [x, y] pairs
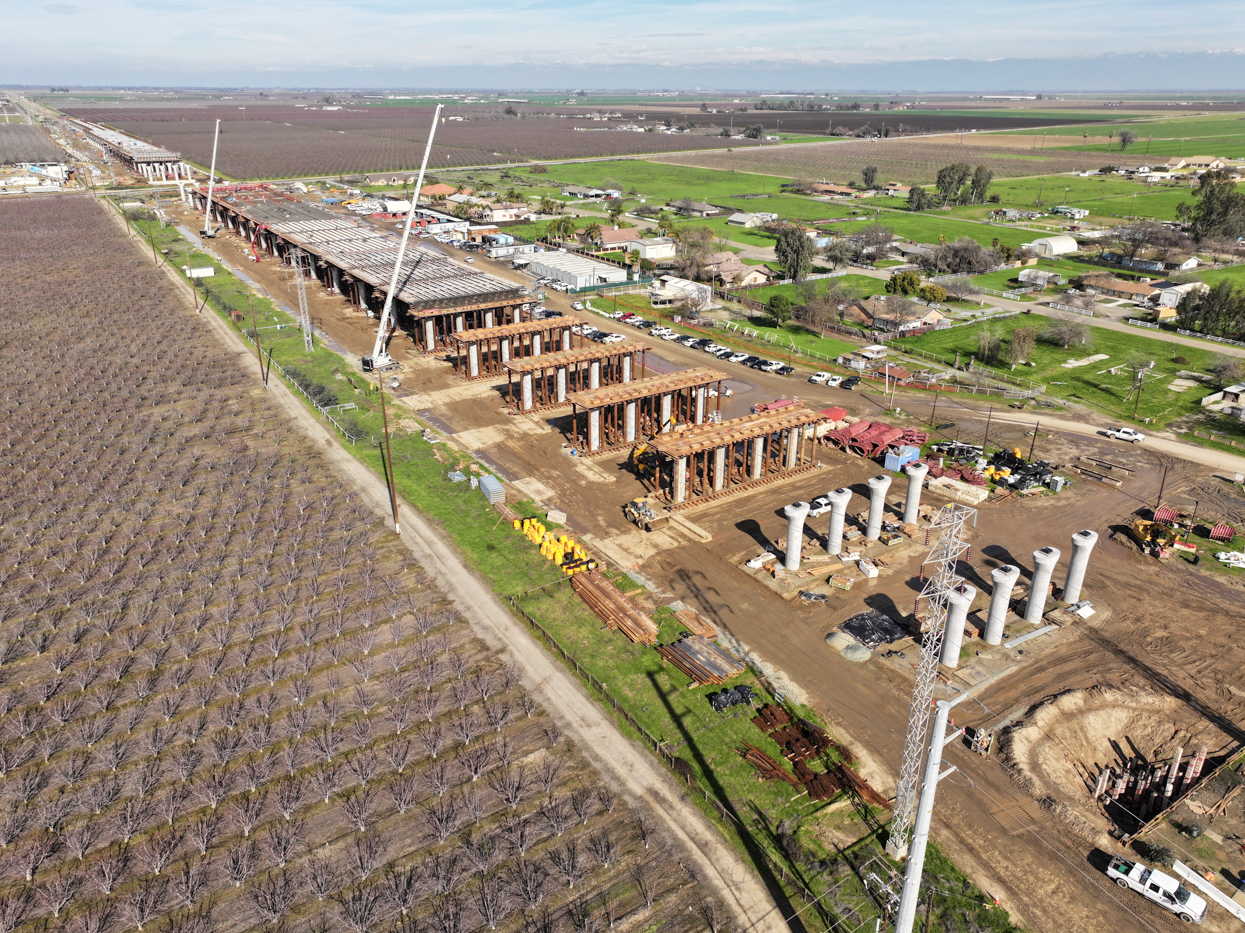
{"points": [[953, 45]]}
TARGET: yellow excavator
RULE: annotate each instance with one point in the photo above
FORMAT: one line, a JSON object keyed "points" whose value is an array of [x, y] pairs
{"points": [[1154, 537]]}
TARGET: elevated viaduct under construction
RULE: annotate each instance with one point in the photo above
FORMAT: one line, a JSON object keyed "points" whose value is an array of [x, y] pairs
{"points": [[545, 381], [606, 419]]}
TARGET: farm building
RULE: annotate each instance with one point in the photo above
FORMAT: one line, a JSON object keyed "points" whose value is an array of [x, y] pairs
{"points": [[1058, 245], [743, 219], [575, 270], [1073, 213], [670, 289], [613, 236], [1170, 293], [892, 313], [695, 208], [1203, 163], [654, 248], [1105, 284]]}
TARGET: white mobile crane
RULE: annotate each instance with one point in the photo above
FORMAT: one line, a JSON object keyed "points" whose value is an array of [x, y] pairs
{"points": [[207, 205], [380, 358]]}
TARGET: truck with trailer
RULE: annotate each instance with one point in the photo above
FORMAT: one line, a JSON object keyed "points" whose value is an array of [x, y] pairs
{"points": [[1158, 887]]}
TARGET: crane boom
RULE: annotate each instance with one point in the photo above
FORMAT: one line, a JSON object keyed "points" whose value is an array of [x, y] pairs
{"points": [[380, 356], [207, 205]]}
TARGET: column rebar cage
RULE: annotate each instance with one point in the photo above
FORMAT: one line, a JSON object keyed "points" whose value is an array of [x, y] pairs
{"points": [[941, 579], [304, 315]]}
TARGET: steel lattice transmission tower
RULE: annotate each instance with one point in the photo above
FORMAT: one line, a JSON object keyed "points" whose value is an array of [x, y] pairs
{"points": [[304, 316], [947, 550]]}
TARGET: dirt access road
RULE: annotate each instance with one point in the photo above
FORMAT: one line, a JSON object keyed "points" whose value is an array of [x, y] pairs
{"points": [[632, 768]]}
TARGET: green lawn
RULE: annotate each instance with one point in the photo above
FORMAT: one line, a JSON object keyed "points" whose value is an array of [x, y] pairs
{"points": [[722, 230], [1091, 385], [1233, 274]]}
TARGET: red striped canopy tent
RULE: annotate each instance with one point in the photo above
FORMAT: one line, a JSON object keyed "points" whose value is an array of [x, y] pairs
{"points": [[1222, 532]]}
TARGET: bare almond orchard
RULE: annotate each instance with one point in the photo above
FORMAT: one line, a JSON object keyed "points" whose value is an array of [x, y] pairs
{"points": [[230, 699], [1157, 666]]}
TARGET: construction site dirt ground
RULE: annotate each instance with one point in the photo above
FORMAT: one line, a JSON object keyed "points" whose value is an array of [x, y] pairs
{"points": [[1172, 636]]}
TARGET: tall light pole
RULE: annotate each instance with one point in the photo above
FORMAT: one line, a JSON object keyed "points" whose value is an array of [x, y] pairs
{"points": [[207, 206]]}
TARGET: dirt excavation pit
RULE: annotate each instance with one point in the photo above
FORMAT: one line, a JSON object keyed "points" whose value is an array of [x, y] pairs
{"points": [[1062, 744]]}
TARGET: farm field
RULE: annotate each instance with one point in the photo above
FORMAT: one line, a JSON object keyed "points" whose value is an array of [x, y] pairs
{"points": [[910, 161], [1216, 134], [1092, 384], [279, 141], [20, 142], [1105, 196], [232, 701], [659, 181]]}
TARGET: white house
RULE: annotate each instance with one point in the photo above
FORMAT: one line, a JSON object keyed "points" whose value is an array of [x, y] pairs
{"points": [[742, 219], [653, 248], [1058, 245]]}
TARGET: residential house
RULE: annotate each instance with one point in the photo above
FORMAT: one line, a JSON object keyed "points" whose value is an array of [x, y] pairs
{"points": [[439, 191], [464, 198], [616, 237], [695, 208], [1040, 278], [726, 268], [835, 190], [1073, 213], [583, 193], [1204, 163], [1150, 261], [896, 190], [913, 251], [1106, 284], [755, 219], [1132, 169], [890, 315], [503, 213]]}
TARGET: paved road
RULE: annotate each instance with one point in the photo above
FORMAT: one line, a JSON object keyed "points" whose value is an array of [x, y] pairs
{"points": [[629, 764]]}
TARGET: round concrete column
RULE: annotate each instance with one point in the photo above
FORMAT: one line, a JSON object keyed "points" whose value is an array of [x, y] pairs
{"points": [[719, 469], [594, 374], [473, 360], [459, 323], [916, 476], [488, 318], [626, 368], [839, 498], [667, 404], [796, 512], [566, 339], [504, 343], [535, 344], [1004, 579], [430, 336], [1044, 561], [594, 429], [560, 380], [680, 479], [700, 405], [758, 457], [958, 603], [629, 420], [1082, 543], [877, 502], [794, 442], [525, 382]]}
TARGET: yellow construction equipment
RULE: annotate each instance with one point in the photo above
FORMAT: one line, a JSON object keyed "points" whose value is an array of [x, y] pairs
{"points": [[1152, 536], [643, 461]]}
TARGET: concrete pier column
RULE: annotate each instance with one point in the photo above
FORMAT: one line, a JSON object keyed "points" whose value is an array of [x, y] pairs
{"points": [[758, 457], [536, 344], [566, 339], [460, 323], [560, 384], [336, 275], [594, 374], [877, 502], [793, 448], [667, 408], [959, 601], [365, 290], [629, 420], [473, 360], [839, 498], [796, 512], [430, 336], [626, 368], [488, 318], [1044, 561], [504, 344], [1004, 579], [912, 503], [1082, 543], [680, 479], [594, 429], [719, 469], [700, 405], [526, 382]]}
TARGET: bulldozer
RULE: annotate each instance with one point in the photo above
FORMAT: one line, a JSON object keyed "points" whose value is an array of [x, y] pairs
{"points": [[1154, 537]]}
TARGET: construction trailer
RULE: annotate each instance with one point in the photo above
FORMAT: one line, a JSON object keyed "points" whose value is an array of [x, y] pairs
{"points": [[607, 419], [436, 296], [707, 461], [486, 351], [544, 381]]}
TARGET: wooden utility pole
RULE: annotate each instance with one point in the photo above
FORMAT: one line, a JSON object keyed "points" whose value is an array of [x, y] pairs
{"points": [[1034, 444], [393, 495], [259, 355]]}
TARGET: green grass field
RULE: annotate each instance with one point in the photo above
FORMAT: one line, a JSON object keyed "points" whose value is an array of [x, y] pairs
{"points": [[1219, 134], [861, 286], [1092, 385], [1233, 274], [1104, 196]]}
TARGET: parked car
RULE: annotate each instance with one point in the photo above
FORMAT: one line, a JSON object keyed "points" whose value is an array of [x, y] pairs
{"points": [[468, 260], [771, 366], [1126, 434], [613, 338], [577, 306], [819, 506], [819, 378], [784, 370], [851, 382], [834, 381], [688, 341], [758, 363], [670, 335], [723, 353], [749, 360], [737, 357], [627, 316]]}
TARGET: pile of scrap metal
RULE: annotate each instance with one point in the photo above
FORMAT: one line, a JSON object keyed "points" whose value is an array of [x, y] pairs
{"points": [[767, 768], [1009, 468], [870, 438], [801, 741], [743, 695]]}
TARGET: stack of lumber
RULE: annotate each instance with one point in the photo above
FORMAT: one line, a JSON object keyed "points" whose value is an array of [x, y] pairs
{"points": [[613, 608], [767, 768], [800, 743], [701, 660], [696, 623], [819, 786], [770, 717]]}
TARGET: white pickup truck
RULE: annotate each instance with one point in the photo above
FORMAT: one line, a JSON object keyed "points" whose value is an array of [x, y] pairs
{"points": [[1163, 889], [1126, 434]]}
